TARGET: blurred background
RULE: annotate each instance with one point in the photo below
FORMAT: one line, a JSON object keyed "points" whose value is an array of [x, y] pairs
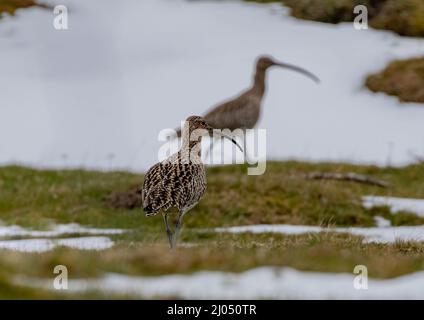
{"points": [[97, 95]]}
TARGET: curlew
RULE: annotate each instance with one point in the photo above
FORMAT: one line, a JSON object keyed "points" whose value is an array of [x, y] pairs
{"points": [[180, 180], [243, 111]]}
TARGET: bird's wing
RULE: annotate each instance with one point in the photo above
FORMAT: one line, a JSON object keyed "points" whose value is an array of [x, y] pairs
{"points": [[159, 183], [152, 178], [227, 106], [224, 115], [227, 115]]}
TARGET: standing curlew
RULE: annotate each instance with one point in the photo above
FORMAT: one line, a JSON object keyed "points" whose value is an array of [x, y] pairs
{"points": [[243, 111], [180, 180]]}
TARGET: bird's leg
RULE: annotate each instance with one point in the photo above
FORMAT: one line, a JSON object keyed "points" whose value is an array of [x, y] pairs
{"points": [[177, 229], [168, 230], [244, 144]]}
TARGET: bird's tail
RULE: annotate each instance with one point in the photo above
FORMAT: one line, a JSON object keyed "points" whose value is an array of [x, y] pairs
{"points": [[149, 210], [156, 201]]}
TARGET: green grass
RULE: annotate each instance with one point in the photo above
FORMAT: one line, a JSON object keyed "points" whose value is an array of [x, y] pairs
{"points": [[30, 197], [401, 78], [36, 198]]}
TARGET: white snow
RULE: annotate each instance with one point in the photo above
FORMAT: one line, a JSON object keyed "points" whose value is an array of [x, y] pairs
{"points": [[372, 234], [381, 222], [396, 204], [43, 245], [264, 282], [383, 233], [98, 94], [40, 242], [28, 245], [56, 231], [85, 243]]}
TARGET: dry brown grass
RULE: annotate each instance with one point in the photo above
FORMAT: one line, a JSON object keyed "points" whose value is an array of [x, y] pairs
{"points": [[10, 6], [405, 17], [401, 78]]}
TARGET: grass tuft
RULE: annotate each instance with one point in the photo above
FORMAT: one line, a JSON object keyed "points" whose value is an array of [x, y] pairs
{"points": [[405, 17], [401, 78]]}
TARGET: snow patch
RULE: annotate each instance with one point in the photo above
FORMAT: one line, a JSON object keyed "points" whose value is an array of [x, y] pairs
{"points": [[264, 282], [396, 204], [43, 245], [374, 234], [56, 231], [42, 242], [382, 222]]}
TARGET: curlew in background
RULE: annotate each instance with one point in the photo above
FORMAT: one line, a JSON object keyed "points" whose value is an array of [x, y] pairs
{"points": [[243, 111]]}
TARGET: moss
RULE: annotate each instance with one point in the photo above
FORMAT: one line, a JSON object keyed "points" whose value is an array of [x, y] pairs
{"points": [[330, 11], [404, 17], [402, 78]]}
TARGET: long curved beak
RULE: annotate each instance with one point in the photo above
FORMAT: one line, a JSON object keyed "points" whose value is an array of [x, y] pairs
{"points": [[310, 75], [229, 138]]}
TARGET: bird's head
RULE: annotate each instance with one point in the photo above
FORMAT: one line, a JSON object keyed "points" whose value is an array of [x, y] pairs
{"points": [[264, 62], [198, 126], [197, 122]]}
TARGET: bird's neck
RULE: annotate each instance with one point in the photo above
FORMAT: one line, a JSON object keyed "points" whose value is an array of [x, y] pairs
{"points": [[259, 81], [190, 151]]}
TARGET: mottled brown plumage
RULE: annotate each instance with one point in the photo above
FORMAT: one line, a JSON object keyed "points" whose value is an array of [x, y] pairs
{"points": [[180, 180], [243, 111]]}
